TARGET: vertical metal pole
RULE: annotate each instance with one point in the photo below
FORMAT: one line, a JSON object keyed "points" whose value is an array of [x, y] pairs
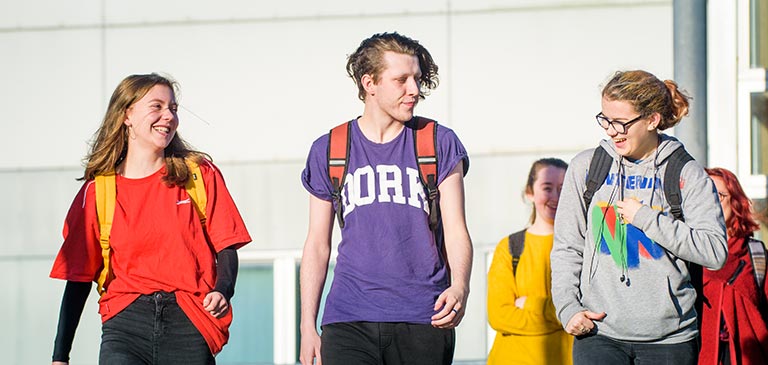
{"points": [[690, 67]]}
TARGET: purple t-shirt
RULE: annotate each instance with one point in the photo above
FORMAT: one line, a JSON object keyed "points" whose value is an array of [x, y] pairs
{"points": [[389, 267]]}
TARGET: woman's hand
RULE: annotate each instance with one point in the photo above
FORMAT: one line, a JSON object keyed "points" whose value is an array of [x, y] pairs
{"points": [[582, 323], [520, 302], [216, 304], [627, 209]]}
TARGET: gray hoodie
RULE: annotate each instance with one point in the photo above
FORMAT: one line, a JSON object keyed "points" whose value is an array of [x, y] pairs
{"points": [[635, 273]]}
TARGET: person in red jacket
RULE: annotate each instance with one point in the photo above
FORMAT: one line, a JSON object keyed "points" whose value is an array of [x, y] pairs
{"points": [[733, 327]]}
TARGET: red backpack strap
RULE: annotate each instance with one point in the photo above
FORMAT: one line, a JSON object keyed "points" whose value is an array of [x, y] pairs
{"points": [[425, 142], [338, 159]]}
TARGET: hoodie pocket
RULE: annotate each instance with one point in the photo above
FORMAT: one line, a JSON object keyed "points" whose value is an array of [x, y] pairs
{"points": [[673, 309]]}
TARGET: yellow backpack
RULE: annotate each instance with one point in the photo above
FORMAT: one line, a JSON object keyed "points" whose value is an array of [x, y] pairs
{"points": [[105, 208]]}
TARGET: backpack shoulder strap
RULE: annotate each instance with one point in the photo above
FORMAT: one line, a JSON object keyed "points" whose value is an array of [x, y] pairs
{"points": [[757, 253], [105, 210], [338, 160], [425, 145], [516, 245], [598, 171], [196, 189], [676, 161]]}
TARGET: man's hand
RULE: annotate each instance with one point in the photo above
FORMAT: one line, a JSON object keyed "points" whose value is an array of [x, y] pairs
{"points": [[310, 348], [451, 304], [216, 304]]}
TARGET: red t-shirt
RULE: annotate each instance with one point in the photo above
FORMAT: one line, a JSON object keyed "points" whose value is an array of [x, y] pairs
{"points": [[158, 244]]}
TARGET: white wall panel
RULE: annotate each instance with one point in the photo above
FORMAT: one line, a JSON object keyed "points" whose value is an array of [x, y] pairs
{"points": [[48, 13], [233, 10], [52, 99], [35, 204], [531, 80], [477, 5], [31, 312]]}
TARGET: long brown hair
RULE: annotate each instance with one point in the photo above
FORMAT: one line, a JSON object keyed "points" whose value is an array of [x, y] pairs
{"points": [[110, 142]]}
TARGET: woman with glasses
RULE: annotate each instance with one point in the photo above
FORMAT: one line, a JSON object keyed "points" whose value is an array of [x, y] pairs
{"points": [[620, 279], [733, 326]]}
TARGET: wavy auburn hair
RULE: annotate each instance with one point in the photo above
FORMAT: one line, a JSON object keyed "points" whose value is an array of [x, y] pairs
{"points": [[741, 223]]}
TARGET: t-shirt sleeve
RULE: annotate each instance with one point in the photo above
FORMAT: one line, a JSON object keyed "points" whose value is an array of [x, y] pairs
{"points": [[224, 223], [450, 151], [79, 258], [315, 175]]}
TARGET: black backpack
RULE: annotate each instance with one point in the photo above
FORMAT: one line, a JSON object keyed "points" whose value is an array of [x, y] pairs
{"points": [[598, 171]]}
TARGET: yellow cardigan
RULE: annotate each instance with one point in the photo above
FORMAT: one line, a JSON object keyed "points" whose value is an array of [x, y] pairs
{"points": [[531, 335]]}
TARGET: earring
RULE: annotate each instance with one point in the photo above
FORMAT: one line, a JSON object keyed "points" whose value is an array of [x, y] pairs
{"points": [[130, 129]]}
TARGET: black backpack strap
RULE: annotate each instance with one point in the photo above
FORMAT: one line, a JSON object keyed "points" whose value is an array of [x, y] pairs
{"points": [[598, 171], [516, 245], [675, 163]]}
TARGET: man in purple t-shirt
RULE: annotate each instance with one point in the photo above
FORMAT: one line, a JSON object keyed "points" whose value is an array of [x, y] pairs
{"points": [[399, 288]]}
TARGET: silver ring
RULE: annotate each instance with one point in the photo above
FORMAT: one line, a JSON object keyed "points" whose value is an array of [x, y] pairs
{"points": [[455, 311]]}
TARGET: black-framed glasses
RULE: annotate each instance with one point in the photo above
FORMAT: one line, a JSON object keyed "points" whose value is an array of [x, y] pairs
{"points": [[619, 127]]}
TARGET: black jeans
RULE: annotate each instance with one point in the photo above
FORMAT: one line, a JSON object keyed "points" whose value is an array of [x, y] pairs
{"points": [[381, 343], [153, 330], [599, 350]]}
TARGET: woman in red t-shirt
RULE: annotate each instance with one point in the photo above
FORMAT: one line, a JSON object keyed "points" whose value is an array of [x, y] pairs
{"points": [[173, 272], [733, 319]]}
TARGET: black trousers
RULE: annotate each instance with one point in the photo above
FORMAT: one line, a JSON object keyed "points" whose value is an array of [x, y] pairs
{"points": [[153, 330], [382, 343], [601, 350]]}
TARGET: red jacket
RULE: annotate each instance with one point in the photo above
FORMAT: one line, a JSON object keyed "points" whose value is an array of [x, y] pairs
{"points": [[731, 294]]}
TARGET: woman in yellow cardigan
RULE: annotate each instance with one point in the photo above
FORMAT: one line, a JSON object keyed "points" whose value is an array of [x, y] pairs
{"points": [[520, 305]]}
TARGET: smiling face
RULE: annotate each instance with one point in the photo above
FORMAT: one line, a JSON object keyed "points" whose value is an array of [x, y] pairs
{"points": [[152, 121], [545, 193], [395, 92], [640, 138]]}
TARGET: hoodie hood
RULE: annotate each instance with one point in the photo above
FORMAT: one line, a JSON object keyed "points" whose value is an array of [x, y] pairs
{"points": [[631, 179], [667, 145]]}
